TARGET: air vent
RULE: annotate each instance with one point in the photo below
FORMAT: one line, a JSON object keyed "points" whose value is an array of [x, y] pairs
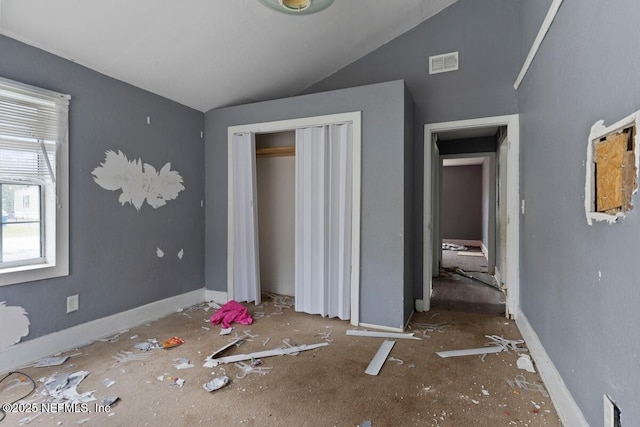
{"points": [[443, 63]]}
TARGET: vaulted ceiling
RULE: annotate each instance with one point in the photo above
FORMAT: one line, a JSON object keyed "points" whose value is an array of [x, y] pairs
{"points": [[211, 53]]}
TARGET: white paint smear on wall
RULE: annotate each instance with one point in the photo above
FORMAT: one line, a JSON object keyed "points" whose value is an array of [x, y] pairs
{"points": [[14, 324], [180, 254], [159, 252], [138, 181]]}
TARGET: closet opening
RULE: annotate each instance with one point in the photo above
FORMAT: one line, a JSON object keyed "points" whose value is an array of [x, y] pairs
{"points": [[275, 176], [325, 160]]}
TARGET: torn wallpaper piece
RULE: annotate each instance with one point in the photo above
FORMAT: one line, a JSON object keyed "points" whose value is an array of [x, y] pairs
{"points": [[14, 324], [138, 181]]}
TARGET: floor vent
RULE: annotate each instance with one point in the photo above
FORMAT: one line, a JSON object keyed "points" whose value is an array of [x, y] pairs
{"points": [[443, 63]]}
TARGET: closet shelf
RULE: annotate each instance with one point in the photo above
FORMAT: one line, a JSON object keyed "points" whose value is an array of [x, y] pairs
{"points": [[276, 151]]}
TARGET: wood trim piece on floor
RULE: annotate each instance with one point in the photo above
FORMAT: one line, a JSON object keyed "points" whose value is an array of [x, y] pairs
{"points": [[569, 412], [22, 354], [382, 328]]}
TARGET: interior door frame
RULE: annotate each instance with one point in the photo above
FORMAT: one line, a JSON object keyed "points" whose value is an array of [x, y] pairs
{"points": [[511, 272], [355, 118]]}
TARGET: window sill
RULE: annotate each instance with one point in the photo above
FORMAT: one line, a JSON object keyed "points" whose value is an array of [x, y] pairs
{"points": [[30, 273]]}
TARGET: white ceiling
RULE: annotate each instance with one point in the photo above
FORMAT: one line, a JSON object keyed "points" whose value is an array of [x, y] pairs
{"points": [[211, 53]]}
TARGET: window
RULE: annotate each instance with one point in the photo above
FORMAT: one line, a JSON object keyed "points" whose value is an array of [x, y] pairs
{"points": [[34, 173]]}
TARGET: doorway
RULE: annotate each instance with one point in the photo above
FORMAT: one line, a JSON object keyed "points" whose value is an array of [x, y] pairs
{"points": [[239, 270], [508, 176]]}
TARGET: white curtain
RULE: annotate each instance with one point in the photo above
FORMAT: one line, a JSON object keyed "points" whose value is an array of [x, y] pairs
{"points": [[323, 220], [246, 267]]}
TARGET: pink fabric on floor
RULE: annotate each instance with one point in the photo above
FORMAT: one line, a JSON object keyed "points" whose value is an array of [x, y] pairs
{"points": [[231, 312]]}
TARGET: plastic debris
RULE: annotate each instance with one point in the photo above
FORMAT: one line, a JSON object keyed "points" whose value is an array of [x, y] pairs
{"points": [[431, 327], [177, 381], [172, 342], [115, 337], [365, 423], [508, 345], [524, 362], [144, 346], [393, 359], [182, 363], [521, 382], [281, 301], [325, 336], [127, 356], [110, 401], [62, 388], [108, 382], [453, 247], [216, 383], [225, 331], [249, 369], [51, 361]]}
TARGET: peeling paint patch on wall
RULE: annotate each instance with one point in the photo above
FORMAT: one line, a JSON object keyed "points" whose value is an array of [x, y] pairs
{"points": [[14, 324], [611, 169], [159, 252], [138, 181], [180, 254]]}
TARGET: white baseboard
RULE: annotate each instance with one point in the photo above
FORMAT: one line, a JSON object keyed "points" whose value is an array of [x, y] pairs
{"points": [[474, 243], [484, 249], [498, 277], [569, 412], [217, 296], [27, 352], [382, 328]]}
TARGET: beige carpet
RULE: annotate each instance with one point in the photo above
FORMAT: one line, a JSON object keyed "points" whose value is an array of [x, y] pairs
{"points": [[322, 387]]}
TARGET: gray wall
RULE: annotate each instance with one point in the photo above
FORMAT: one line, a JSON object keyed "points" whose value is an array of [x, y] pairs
{"points": [[586, 70], [486, 34], [113, 262], [383, 225], [462, 202]]}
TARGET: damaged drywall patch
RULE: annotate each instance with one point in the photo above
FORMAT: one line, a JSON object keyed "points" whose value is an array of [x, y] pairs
{"points": [[14, 324], [611, 169], [138, 181]]}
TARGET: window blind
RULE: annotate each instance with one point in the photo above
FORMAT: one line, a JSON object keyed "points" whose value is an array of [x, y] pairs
{"points": [[33, 125]]}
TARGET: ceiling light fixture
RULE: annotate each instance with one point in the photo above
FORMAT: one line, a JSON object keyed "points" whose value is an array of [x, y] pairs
{"points": [[297, 7]]}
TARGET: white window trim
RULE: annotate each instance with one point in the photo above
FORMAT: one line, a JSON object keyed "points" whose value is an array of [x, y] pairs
{"points": [[56, 262]]}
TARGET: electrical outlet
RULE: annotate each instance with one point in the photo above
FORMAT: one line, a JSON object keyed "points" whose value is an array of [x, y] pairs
{"points": [[72, 303]]}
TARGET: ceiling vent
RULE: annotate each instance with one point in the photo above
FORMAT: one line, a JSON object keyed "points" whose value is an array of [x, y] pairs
{"points": [[443, 63]]}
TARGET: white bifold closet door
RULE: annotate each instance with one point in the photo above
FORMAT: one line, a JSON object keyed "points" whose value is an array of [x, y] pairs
{"points": [[323, 220], [246, 267]]}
